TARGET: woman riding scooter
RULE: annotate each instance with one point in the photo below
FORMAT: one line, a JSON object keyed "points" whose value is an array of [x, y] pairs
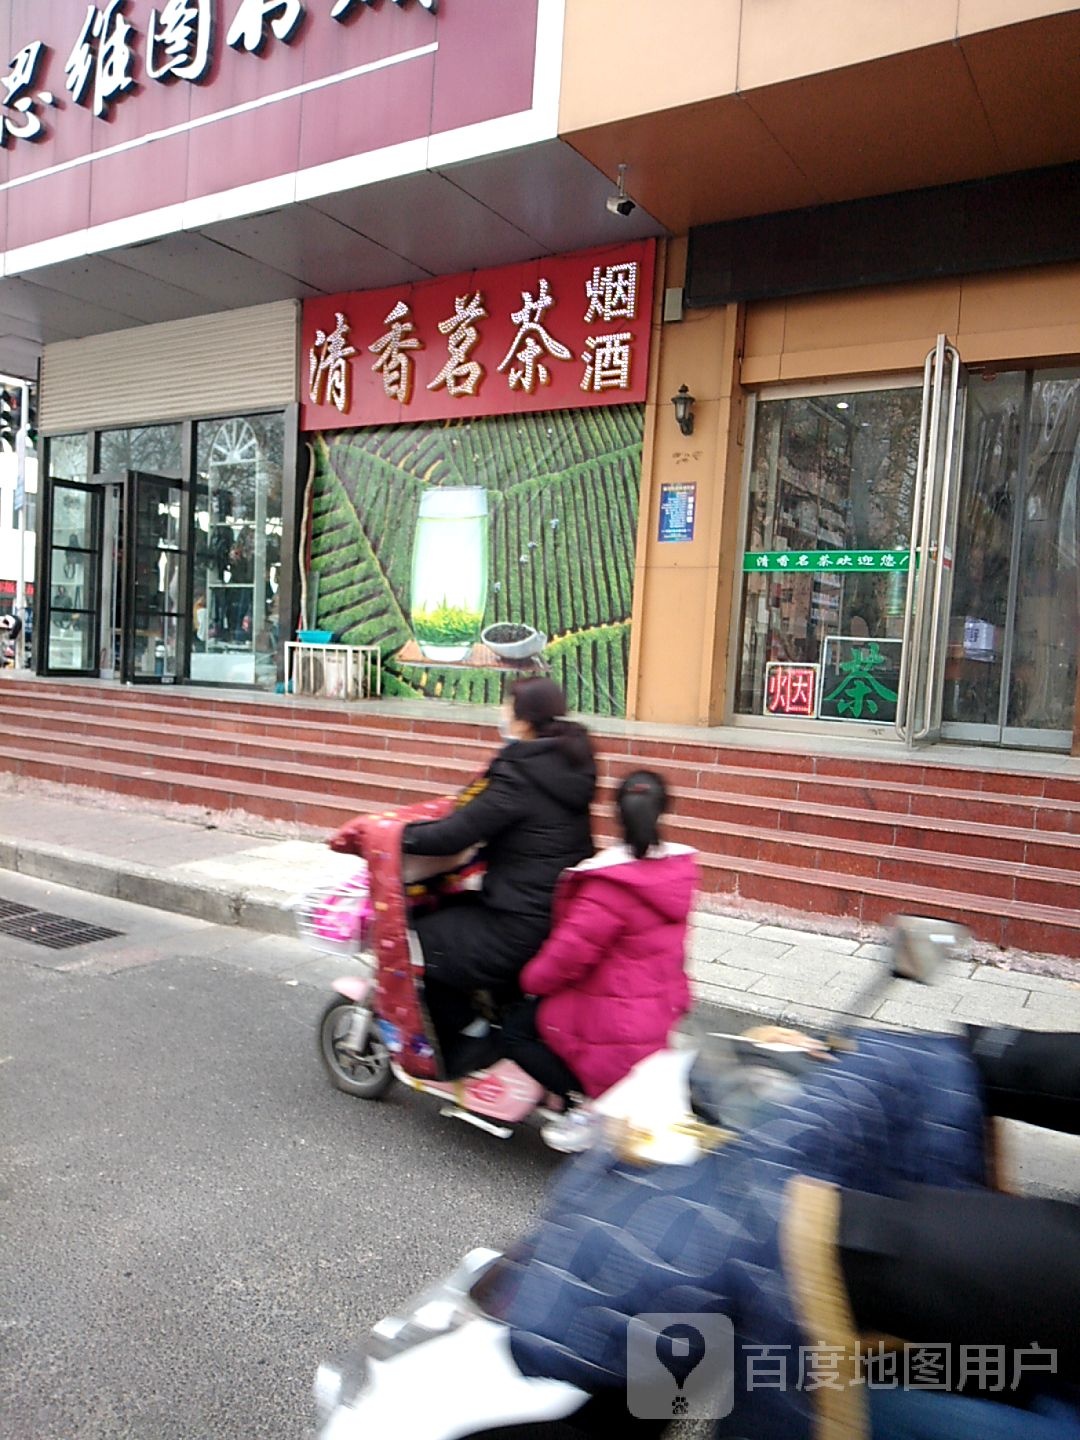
{"points": [[529, 813]]}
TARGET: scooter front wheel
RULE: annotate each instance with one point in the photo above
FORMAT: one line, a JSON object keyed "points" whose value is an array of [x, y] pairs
{"points": [[359, 1067]]}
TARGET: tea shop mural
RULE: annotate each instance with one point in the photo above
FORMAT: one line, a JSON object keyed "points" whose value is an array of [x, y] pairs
{"points": [[474, 550]]}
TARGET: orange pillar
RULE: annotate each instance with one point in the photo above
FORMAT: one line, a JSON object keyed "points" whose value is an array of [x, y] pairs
{"points": [[683, 588]]}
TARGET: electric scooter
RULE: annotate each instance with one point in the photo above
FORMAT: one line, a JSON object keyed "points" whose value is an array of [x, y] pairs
{"points": [[375, 1029]]}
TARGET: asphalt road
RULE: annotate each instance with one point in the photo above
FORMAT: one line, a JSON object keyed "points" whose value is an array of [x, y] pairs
{"points": [[192, 1218]]}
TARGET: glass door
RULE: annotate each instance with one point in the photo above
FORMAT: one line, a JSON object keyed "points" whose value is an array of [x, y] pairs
{"points": [[74, 599], [1045, 610], [831, 494], [933, 547], [1012, 653], [156, 563]]}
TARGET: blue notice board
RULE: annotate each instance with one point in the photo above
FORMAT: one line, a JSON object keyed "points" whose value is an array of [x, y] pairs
{"points": [[678, 500]]}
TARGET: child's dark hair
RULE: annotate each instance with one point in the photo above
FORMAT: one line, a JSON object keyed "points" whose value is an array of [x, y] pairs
{"points": [[641, 800], [542, 704]]}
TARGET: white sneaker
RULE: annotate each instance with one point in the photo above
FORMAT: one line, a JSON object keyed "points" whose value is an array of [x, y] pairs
{"points": [[570, 1133]]}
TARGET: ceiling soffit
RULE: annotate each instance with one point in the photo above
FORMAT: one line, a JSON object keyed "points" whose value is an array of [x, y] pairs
{"points": [[984, 103], [537, 200]]}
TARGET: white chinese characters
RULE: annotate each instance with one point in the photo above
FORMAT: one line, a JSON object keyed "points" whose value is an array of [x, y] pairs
{"points": [[457, 364], [460, 375], [612, 295], [179, 40], [607, 362], [328, 366], [344, 8], [178, 44], [248, 30], [19, 96], [531, 343], [102, 55], [394, 360]]}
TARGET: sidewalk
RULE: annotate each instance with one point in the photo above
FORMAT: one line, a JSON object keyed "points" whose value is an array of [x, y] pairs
{"points": [[192, 865]]}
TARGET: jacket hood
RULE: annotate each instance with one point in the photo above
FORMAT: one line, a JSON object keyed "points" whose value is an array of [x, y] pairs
{"points": [[547, 767], [665, 879]]}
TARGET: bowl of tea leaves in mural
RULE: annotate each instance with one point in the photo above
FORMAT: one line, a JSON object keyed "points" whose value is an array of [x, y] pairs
{"points": [[512, 641]]}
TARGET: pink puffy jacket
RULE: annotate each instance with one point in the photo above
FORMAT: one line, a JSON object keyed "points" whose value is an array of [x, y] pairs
{"points": [[612, 971]]}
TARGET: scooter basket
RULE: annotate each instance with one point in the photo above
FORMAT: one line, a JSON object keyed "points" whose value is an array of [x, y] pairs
{"points": [[335, 919]]}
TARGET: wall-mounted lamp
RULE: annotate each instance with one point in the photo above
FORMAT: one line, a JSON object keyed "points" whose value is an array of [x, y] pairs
{"points": [[684, 410]]}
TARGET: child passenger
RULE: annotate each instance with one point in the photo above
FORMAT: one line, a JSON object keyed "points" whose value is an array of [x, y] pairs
{"points": [[608, 985]]}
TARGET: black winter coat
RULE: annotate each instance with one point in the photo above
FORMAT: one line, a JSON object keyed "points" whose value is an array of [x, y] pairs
{"points": [[530, 812]]}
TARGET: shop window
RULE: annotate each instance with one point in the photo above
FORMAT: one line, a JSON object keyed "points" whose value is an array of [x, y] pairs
{"points": [[832, 482], [152, 449], [1042, 680], [237, 558], [67, 457]]}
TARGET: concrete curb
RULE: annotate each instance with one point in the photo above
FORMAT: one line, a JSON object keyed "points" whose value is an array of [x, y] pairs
{"points": [[251, 908], [803, 978]]}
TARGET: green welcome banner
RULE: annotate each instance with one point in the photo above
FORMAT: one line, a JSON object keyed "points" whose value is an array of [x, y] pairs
{"points": [[862, 561]]}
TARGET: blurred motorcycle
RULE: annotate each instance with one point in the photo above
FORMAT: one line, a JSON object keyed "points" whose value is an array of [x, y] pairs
{"points": [[682, 1197]]}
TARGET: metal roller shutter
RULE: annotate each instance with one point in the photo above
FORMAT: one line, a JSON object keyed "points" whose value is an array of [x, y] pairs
{"points": [[228, 363]]}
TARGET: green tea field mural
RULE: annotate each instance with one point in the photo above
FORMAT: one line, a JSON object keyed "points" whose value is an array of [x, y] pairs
{"points": [[474, 551]]}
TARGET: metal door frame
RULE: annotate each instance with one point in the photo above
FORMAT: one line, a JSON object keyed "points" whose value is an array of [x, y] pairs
{"points": [[135, 481], [43, 611], [920, 693], [1000, 733]]}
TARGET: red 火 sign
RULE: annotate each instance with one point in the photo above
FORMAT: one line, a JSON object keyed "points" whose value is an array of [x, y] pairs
{"points": [[550, 334]]}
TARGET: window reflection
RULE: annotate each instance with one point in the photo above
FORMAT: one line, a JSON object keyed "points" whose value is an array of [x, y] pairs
{"points": [[152, 449], [984, 538], [67, 457], [1042, 680], [237, 566], [828, 473]]}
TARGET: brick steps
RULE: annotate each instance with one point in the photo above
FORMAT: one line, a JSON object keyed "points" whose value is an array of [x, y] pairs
{"points": [[700, 818], [826, 834], [289, 718], [710, 794], [349, 744], [819, 891]]}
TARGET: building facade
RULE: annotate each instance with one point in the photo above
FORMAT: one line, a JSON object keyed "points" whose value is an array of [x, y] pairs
{"points": [[267, 261]]}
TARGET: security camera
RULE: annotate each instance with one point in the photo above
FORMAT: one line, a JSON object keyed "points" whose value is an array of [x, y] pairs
{"points": [[620, 203]]}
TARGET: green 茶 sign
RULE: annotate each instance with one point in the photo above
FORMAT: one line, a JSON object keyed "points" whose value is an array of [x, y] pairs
{"points": [[841, 561], [860, 679]]}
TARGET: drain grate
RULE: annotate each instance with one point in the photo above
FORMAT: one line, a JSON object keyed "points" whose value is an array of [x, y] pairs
{"points": [[11, 908], [54, 932]]}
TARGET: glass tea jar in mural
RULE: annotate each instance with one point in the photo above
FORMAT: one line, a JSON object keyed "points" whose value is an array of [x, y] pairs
{"points": [[449, 571]]}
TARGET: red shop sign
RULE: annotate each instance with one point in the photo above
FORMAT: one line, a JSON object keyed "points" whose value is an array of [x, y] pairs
{"points": [[553, 334]]}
